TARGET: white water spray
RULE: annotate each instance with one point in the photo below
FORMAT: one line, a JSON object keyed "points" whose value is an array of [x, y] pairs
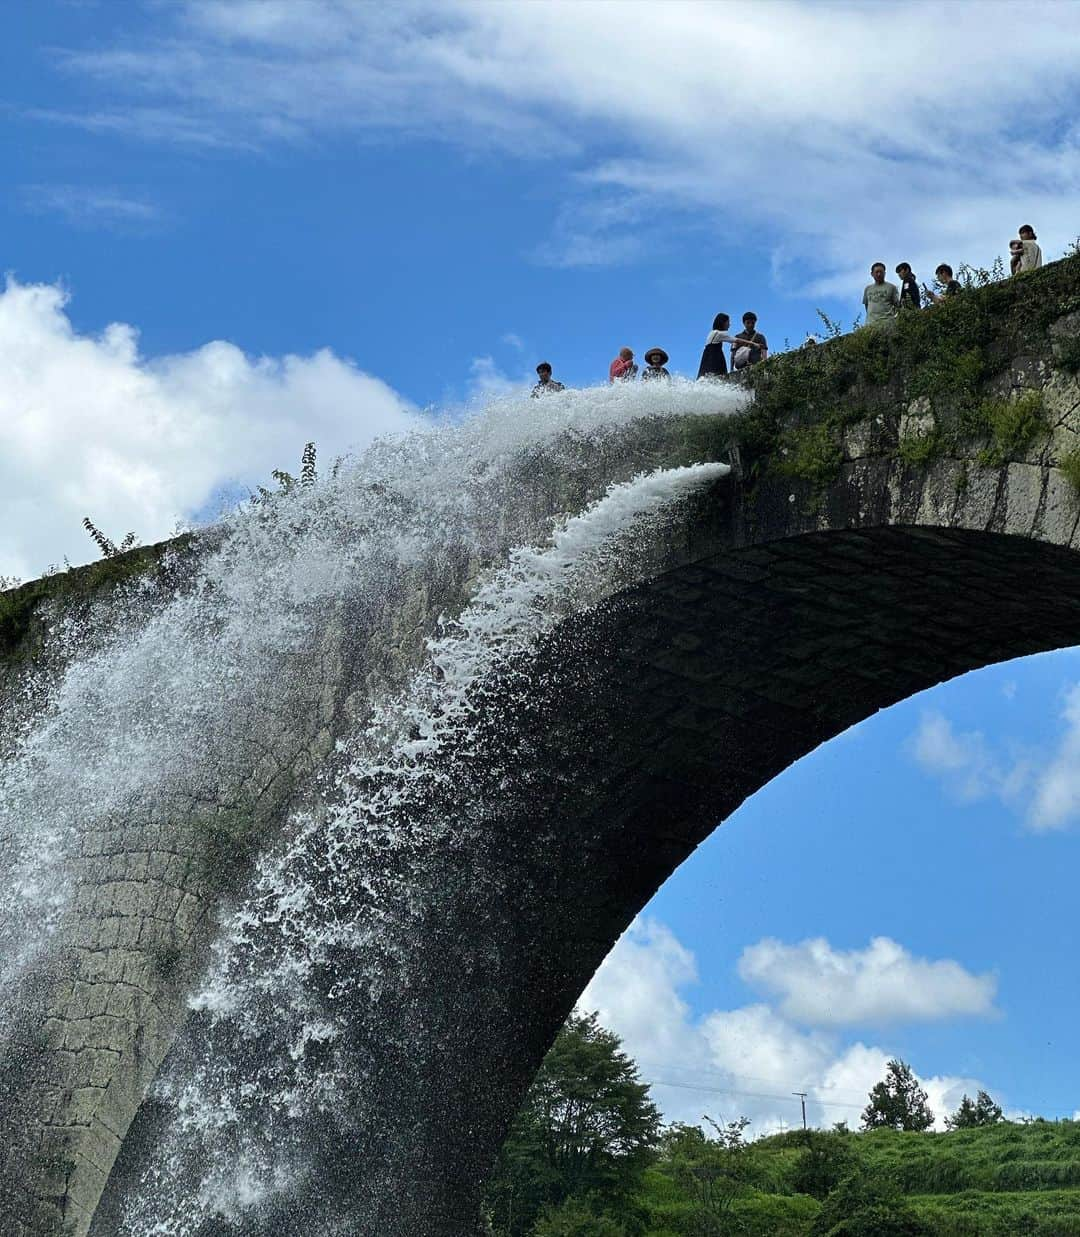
{"points": [[190, 693]]}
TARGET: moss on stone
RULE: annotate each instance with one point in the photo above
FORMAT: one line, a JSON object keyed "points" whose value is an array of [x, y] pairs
{"points": [[1013, 426], [1067, 354], [919, 449], [21, 626], [1070, 467], [946, 355], [811, 453]]}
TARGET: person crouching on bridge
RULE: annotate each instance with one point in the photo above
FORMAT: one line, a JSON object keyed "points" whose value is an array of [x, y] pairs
{"points": [[655, 359], [713, 362], [547, 385], [880, 299], [623, 369]]}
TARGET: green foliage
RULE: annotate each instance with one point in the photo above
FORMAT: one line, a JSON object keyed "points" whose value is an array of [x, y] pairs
{"points": [[587, 1130], [576, 1217], [1067, 354], [990, 1178], [21, 609], [108, 547], [975, 1213], [827, 1159], [898, 1102], [812, 453], [1070, 466], [286, 482], [919, 449], [1013, 425], [867, 1205], [971, 1113], [712, 1172]]}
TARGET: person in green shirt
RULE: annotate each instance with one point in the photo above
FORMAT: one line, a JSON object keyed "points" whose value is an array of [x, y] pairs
{"points": [[880, 299]]}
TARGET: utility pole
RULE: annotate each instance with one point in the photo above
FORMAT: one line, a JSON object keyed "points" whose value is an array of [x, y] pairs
{"points": [[802, 1096]]}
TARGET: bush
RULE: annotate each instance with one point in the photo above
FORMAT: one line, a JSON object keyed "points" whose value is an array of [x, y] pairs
{"points": [[576, 1218], [826, 1160], [811, 454], [919, 449], [865, 1205], [1013, 424]]}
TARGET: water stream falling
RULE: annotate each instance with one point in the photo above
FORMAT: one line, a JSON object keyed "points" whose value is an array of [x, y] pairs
{"points": [[297, 677]]}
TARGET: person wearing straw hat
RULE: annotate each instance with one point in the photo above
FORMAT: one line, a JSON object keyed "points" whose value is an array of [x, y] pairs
{"points": [[655, 359], [547, 385]]}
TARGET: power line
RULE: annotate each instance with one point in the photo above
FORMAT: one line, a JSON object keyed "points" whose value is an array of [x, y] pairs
{"points": [[757, 1095]]}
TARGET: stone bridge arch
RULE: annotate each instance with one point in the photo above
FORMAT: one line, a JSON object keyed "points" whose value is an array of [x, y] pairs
{"points": [[782, 606]]}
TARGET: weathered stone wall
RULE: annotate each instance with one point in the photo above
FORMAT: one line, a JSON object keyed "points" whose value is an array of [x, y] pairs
{"points": [[880, 537]]}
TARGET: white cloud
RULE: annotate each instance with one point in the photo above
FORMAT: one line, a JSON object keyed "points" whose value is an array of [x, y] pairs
{"points": [[488, 381], [1056, 800], [90, 427], [1044, 787], [91, 206], [822, 986], [780, 133], [746, 1061], [965, 763]]}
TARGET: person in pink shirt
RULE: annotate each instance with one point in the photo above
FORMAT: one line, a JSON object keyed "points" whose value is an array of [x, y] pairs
{"points": [[623, 369]]}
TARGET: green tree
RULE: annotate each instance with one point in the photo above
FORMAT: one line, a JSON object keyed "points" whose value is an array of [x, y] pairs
{"points": [[587, 1129], [826, 1161], [712, 1172], [980, 1111], [898, 1102]]}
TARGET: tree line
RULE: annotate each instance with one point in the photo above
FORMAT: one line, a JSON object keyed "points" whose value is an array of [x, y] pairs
{"points": [[589, 1156]]}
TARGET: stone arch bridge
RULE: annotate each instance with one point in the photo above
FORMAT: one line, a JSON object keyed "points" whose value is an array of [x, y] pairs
{"points": [[889, 526]]}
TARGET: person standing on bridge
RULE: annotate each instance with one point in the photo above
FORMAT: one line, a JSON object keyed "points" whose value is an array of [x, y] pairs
{"points": [[623, 369], [949, 285], [713, 362], [1031, 258], [547, 385], [880, 299], [655, 359], [910, 298], [752, 346]]}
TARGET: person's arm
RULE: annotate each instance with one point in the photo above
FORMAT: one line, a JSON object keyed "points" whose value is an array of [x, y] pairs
{"points": [[764, 347]]}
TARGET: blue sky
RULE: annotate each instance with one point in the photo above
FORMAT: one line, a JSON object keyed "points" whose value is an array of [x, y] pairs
{"points": [[314, 220]]}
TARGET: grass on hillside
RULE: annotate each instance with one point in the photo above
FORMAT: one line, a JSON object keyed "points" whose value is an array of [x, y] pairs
{"points": [[995, 1181]]}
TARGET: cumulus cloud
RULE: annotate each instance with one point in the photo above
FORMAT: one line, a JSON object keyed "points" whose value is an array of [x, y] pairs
{"points": [[88, 426], [743, 1061], [822, 986], [967, 765], [1045, 788], [777, 133], [1056, 800]]}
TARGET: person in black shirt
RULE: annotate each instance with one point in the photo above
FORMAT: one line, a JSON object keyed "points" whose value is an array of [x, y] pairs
{"points": [[909, 287], [751, 347], [944, 276]]}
